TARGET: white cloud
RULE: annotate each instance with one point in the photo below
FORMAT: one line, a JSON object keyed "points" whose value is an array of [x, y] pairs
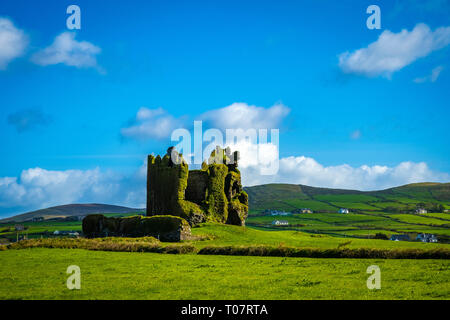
{"points": [[13, 42], [305, 170], [393, 51], [152, 123], [66, 50], [253, 154], [39, 188], [432, 77], [159, 124], [244, 116]]}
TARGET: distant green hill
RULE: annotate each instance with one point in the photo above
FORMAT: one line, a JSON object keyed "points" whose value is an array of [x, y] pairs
{"points": [[68, 210], [289, 197]]}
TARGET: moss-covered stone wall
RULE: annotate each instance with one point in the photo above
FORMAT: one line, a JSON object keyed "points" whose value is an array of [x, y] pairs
{"points": [[165, 228], [197, 186]]}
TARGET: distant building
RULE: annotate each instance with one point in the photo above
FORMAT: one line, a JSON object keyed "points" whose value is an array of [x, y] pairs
{"points": [[66, 233], [279, 213], [400, 237], [37, 219], [343, 210], [19, 227], [305, 210], [421, 211], [280, 223], [426, 237]]}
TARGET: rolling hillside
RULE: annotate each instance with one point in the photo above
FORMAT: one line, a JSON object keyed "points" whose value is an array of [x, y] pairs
{"points": [[70, 210], [290, 197], [388, 212]]}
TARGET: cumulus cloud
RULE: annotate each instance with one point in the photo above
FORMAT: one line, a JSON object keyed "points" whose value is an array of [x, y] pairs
{"points": [[28, 119], [151, 123], [159, 124], [305, 170], [66, 50], [393, 51], [38, 188], [13, 42], [244, 116], [432, 77], [308, 171]]}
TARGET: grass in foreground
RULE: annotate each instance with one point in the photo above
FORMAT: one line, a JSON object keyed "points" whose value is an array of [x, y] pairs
{"points": [[41, 274]]}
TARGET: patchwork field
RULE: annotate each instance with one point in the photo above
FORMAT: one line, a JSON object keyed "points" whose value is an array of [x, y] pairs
{"points": [[290, 197], [387, 212], [360, 224]]}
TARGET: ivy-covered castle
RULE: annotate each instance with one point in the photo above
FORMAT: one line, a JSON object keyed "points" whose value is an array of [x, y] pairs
{"points": [[213, 193], [178, 199]]}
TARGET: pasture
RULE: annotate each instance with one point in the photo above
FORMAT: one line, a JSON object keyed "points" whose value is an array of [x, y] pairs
{"points": [[41, 274]]}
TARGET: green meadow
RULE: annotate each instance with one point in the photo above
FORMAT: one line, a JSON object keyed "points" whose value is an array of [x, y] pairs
{"points": [[41, 274], [38, 271]]}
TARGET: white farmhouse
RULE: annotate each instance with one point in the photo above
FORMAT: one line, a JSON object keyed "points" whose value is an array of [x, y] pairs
{"points": [[426, 237], [280, 223]]}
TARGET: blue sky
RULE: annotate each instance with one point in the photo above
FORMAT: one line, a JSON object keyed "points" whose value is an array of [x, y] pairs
{"points": [[63, 118]]}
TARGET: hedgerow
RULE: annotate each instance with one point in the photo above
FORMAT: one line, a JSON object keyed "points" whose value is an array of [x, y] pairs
{"points": [[359, 253], [149, 244]]}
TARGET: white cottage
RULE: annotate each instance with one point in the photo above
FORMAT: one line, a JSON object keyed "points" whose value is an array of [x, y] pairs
{"points": [[280, 223]]}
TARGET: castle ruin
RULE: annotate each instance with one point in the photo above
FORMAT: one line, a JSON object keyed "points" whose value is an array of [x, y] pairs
{"points": [[213, 193]]}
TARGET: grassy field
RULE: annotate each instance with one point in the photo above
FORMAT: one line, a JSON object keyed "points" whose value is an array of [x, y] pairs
{"points": [[41, 274], [225, 235]]}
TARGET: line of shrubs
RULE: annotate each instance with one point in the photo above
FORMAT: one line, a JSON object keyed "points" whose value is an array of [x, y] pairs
{"points": [[360, 253], [147, 244]]}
